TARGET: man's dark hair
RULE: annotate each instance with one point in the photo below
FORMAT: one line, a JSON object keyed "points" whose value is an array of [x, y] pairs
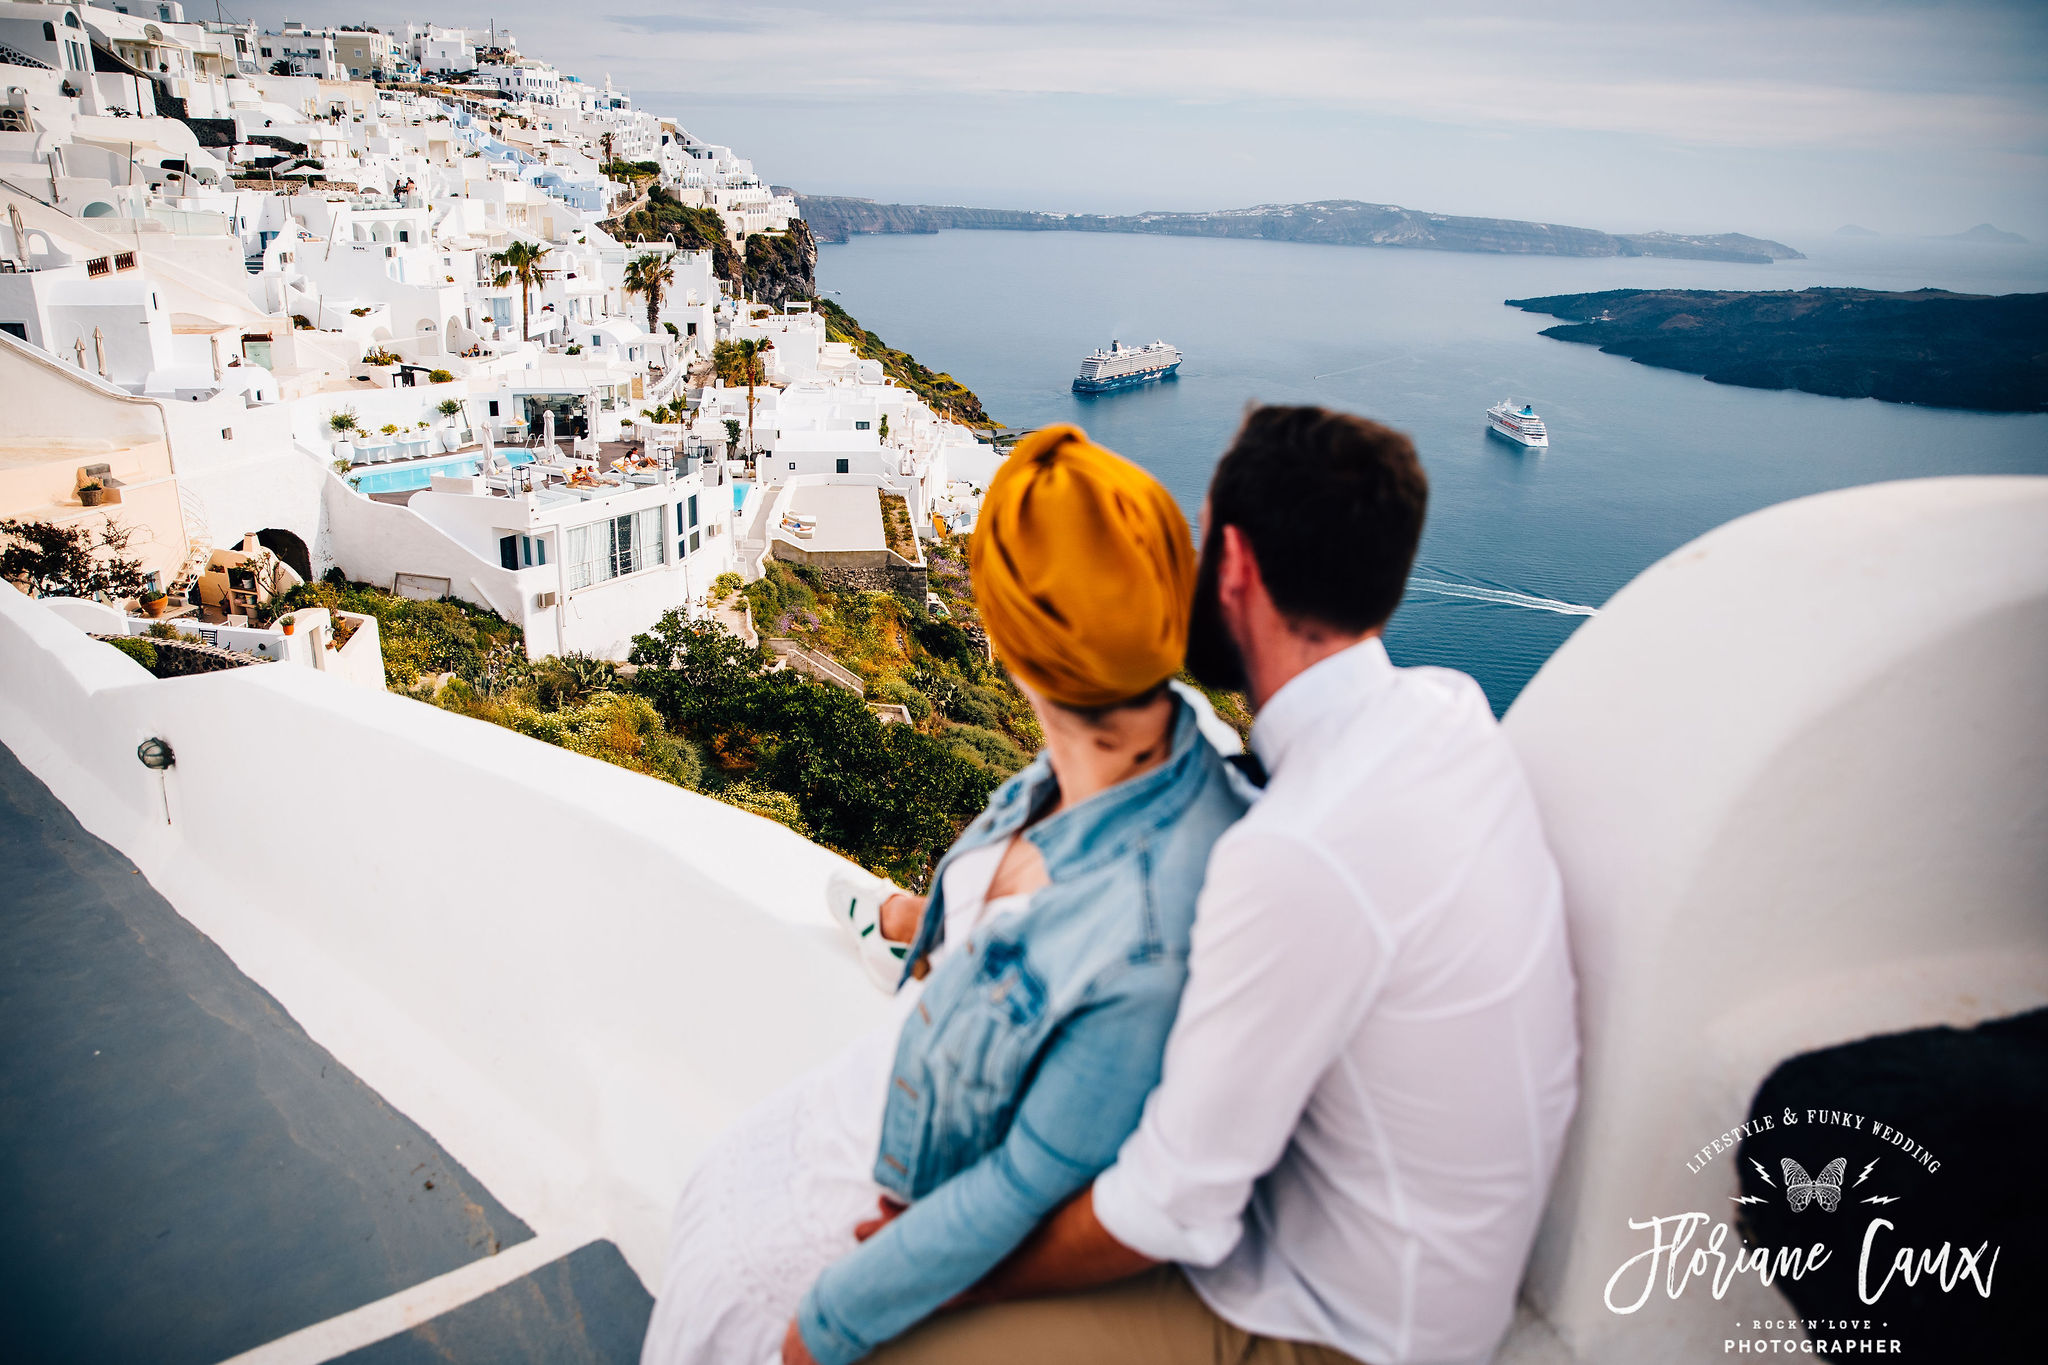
{"points": [[1332, 505]]}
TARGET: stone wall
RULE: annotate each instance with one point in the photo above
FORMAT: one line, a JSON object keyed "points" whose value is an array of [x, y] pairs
{"points": [[908, 581], [182, 658]]}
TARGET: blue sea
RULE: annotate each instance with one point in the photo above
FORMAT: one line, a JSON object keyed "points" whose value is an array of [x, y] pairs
{"points": [[1521, 545]]}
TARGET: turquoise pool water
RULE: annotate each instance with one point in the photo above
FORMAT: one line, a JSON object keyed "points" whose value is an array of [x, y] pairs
{"points": [[407, 477]]}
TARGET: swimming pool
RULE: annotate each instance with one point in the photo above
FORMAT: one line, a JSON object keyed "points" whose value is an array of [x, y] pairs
{"points": [[406, 478]]}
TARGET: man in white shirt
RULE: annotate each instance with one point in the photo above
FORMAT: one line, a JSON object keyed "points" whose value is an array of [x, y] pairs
{"points": [[1375, 1059]]}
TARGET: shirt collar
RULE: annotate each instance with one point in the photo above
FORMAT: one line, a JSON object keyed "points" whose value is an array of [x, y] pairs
{"points": [[1306, 705]]}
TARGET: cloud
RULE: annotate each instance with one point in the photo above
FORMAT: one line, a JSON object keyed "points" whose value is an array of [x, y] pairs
{"points": [[1896, 102], [1730, 75]]}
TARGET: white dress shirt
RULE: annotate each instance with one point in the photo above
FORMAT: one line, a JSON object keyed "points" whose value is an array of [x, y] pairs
{"points": [[1376, 1055]]}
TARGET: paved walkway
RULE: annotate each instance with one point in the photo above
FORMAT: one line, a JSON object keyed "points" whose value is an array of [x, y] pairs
{"points": [[187, 1176]]}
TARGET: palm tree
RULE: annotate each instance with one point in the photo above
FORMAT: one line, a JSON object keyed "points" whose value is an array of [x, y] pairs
{"points": [[521, 261], [739, 362], [650, 274]]}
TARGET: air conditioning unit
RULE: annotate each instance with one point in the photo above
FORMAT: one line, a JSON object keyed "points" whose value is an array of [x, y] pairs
{"points": [[389, 252], [543, 599]]}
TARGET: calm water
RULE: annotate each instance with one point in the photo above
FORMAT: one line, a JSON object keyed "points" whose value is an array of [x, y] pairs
{"points": [[1519, 542]]}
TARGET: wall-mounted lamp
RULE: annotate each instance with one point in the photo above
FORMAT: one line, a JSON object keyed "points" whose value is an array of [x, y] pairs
{"points": [[156, 756]]}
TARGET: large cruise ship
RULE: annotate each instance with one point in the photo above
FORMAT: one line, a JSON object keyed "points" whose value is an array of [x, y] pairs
{"points": [[1122, 367], [1520, 425]]}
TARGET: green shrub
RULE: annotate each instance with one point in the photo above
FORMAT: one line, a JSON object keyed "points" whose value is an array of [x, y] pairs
{"points": [[780, 807], [448, 636], [903, 694], [990, 748], [138, 649], [973, 704], [441, 377]]}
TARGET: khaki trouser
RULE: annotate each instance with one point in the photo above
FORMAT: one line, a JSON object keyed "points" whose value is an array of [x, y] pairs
{"points": [[1150, 1319]]}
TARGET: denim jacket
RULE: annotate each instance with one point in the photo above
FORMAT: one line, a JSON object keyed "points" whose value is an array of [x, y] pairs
{"points": [[1029, 1056]]}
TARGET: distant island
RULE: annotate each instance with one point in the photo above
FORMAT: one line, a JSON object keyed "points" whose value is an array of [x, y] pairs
{"points": [[1338, 222], [1984, 232], [1928, 346]]}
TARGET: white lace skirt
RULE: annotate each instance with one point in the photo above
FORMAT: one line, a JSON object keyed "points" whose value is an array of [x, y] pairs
{"points": [[771, 1205]]}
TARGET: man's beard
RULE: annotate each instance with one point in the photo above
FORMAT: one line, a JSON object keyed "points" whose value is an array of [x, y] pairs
{"points": [[1214, 659]]}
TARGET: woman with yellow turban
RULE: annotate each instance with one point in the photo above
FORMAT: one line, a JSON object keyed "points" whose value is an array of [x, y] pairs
{"points": [[1033, 990]]}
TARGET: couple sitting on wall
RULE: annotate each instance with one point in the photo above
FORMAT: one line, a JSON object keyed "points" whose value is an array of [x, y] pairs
{"points": [[1189, 1061]]}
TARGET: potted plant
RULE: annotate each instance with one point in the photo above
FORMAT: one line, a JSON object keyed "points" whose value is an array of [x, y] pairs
{"points": [[93, 493], [154, 602], [345, 427]]}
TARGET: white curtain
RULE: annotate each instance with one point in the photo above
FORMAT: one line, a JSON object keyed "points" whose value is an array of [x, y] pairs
{"points": [[580, 554]]}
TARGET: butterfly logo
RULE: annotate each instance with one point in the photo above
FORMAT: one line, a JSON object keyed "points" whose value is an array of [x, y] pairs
{"points": [[1824, 1189]]}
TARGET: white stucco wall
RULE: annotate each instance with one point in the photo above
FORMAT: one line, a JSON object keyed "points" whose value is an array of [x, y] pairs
{"points": [[1793, 775], [571, 975]]}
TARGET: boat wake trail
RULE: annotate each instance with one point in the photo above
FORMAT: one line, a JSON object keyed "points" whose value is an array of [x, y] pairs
{"points": [[1505, 597]]}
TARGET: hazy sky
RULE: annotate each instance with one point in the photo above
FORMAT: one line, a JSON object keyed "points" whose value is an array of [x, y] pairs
{"points": [[1772, 118]]}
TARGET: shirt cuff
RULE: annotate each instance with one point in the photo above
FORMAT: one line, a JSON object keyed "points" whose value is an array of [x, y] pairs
{"points": [[1128, 1215], [827, 1340]]}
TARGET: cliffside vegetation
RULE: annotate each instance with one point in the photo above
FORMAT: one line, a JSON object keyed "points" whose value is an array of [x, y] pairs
{"points": [[890, 796], [943, 392], [1928, 346], [694, 229], [774, 268], [701, 710]]}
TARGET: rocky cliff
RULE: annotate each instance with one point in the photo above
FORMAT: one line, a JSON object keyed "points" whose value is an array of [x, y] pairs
{"points": [[774, 267], [1342, 222], [781, 266], [1929, 346]]}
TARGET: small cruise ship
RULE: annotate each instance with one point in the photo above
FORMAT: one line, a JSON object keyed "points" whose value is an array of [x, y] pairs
{"points": [[1520, 425], [1123, 367]]}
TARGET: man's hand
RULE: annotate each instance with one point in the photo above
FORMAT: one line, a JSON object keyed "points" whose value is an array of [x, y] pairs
{"points": [[794, 1352], [1069, 1252], [900, 915], [887, 1209]]}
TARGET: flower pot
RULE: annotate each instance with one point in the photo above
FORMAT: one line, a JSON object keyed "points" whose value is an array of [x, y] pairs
{"points": [[158, 607], [95, 497]]}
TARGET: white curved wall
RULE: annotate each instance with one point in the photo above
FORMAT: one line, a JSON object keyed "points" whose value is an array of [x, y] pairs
{"points": [[1796, 776], [571, 975]]}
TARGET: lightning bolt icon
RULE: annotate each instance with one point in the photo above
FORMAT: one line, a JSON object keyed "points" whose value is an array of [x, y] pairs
{"points": [[1764, 1173], [1882, 1199], [1747, 1199], [1866, 1172]]}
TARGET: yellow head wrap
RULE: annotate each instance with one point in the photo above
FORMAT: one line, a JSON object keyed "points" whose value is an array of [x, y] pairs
{"points": [[1083, 570]]}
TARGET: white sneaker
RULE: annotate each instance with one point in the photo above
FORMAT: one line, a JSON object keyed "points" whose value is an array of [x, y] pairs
{"points": [[854, 899]]}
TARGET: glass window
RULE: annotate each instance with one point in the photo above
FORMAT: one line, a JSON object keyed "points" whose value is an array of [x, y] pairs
{"points": [[508, 551], [860, 426], [693, 509], [840, 466]]}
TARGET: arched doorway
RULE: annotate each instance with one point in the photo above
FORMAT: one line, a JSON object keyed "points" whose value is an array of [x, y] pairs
{"points": [[289, 549], [98, 208]]}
